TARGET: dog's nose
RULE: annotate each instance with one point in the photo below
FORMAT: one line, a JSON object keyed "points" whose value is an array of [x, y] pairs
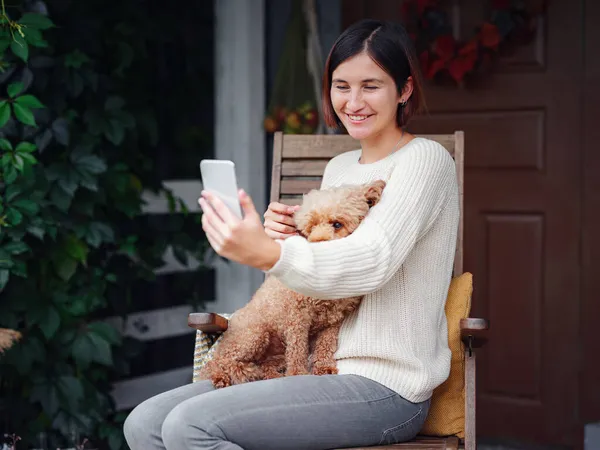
{"points": [[320, 234]]}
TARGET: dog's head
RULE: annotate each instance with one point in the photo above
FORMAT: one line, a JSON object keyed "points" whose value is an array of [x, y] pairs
{"points": [[335, 213]]}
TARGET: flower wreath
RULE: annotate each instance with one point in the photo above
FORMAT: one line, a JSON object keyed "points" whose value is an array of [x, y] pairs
{"points": [[510, 24]]}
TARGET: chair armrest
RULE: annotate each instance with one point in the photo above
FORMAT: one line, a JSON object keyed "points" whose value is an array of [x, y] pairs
{"points": [[208, 322], [474, 330]]}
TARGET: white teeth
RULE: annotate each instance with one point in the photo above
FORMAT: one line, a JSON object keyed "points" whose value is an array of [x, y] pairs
{"points": [[357, 117]]}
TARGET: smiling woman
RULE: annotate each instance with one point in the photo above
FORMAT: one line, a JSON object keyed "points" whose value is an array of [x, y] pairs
{"points": [[372, 86]]}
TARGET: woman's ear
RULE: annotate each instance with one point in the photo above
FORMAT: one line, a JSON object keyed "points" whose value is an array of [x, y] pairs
{"points": [[407, 90]]}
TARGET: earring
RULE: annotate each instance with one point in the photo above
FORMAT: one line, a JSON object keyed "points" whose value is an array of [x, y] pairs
{"points": [[402, 104]]}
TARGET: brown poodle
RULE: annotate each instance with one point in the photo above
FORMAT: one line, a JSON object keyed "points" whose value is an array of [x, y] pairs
{"points": [[279, 329]]}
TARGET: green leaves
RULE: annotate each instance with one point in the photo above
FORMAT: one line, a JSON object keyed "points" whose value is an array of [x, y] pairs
{"points": [[82, 170], [14, 89], [92, 346], [36, 21], [86, 163], [76, 59], [65, 391], [106, 331], [97, 233], [15, 247], [112, 122], [71, 253], [4, 277], [17, 160], [4, 113], [29, 101], [24, 115], [20, 47], [76, 249], [6, 261], [21, 106], [50, 322]]}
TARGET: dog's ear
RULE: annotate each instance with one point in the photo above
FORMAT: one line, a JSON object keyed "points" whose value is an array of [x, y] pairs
{"points": [[373, 192]]}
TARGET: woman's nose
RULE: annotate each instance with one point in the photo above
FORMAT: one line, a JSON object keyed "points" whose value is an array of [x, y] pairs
{"points": [[355, 103]]}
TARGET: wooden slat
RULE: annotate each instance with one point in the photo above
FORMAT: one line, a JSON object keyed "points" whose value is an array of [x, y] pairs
{"points": [[448, 141], [276, 173], [207, 322], [303, 168], [470, 402], [291, 200], [318, 146], [459, 159], [325, 146], [448, 443], [299, 185]]}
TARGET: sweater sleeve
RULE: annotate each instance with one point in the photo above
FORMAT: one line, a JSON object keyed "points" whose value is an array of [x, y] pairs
{"points": [[364, 261]]}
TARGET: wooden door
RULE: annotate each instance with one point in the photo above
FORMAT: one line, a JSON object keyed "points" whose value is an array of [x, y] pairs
{"points": [[522, 218], [590, 309]]}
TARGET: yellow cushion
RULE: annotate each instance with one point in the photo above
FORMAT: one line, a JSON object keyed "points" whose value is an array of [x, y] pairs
{"points": [[447, 412]]}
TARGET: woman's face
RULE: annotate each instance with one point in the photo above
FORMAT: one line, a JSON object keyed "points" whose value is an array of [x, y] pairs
{"points": [[364, 97]]}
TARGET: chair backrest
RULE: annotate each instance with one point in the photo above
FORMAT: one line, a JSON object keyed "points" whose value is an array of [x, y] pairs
{"points": [[299, 162]]}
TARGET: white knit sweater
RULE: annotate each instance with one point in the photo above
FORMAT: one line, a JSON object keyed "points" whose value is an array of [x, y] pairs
{"points": [[400, 258]]}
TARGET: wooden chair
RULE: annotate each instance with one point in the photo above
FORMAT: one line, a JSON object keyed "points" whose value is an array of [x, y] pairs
{"points": [[298, 165]]}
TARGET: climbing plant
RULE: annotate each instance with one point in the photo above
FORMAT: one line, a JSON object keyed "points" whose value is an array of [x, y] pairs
{"points": [[79, 126]]}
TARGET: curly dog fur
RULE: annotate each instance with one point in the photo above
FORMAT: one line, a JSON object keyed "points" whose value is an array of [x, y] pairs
{"points": [[279, 331]]}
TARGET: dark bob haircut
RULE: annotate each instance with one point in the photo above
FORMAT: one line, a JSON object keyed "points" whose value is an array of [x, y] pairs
{"points": [[391, 48]]}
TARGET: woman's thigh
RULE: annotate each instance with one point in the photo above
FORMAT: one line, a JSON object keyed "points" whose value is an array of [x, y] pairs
{"points": [[301, 412]]}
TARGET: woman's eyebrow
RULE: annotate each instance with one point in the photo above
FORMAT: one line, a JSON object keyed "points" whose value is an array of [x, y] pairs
{"points": [[368, 80]]}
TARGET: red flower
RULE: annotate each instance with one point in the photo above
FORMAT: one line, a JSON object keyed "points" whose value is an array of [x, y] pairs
{"points": [[460, 66], [489, 36], [469, 47], [444, 46], [435, 67]]}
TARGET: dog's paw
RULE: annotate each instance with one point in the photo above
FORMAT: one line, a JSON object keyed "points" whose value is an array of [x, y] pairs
{"points": [[324, 369], [294, 371], [221, 380], [271, 374]]}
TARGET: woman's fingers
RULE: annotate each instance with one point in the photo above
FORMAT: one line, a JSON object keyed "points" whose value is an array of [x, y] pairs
{"points": [[280, 208], [215, 238], [280, 218], [220, 208], [279, 227], [276, 235]]}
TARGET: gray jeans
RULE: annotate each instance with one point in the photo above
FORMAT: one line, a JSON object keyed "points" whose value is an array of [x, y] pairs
{"points": [[301, 412]]}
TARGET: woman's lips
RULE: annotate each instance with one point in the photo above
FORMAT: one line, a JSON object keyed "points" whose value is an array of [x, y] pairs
{"points": [[357, 118]]}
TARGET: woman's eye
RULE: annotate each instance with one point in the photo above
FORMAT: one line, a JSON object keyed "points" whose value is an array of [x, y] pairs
{"points": [[342, 88], [337, 225], [370, 88]]}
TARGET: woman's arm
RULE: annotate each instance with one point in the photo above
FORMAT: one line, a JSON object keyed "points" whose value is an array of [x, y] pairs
{"points": [[364, 261]]}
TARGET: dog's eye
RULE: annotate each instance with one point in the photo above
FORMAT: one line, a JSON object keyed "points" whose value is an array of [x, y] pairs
{"points": [[337, 225], [370, 203]]}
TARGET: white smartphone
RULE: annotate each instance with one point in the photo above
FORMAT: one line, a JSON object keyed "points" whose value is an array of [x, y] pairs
{"points": [[218, 178]]}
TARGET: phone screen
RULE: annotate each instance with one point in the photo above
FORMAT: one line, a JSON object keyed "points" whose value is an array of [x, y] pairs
{"points": [[219, 178]]}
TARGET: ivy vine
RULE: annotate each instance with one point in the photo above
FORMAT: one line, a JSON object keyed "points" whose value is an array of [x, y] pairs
{"points": [[77, 134]]}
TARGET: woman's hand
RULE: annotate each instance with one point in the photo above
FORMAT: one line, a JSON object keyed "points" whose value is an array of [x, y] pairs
{"points": [[241, 240], [279, 221]]}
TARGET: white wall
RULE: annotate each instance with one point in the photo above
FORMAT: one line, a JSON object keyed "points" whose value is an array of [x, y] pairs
{"points": [[239, 115]]}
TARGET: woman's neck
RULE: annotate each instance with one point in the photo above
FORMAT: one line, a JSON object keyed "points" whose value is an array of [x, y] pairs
{"points": [[382, 145]]}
